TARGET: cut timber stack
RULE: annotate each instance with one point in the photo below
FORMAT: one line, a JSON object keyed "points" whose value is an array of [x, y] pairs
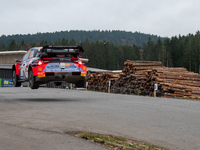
{"points": [[131, 67], [140, 76], [136, 76], [177, 82], [99, 80]]}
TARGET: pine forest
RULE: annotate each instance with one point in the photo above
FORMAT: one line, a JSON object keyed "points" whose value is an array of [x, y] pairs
{"points": [[111, 51]]}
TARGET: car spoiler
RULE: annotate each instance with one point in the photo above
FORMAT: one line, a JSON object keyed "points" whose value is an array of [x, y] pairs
{"points": [[62, 49]]}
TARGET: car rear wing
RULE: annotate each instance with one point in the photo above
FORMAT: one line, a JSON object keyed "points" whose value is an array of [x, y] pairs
{"points": [[62, 49]]}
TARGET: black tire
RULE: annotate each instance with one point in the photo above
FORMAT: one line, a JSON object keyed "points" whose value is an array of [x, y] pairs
{"points": [[32, 83], [80, 84], [15, 79]]}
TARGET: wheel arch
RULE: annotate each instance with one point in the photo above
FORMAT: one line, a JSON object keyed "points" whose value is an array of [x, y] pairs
{"points": [[16, 68], [15, 76]]}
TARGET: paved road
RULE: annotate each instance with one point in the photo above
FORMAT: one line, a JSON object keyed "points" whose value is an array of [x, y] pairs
{"points": [[41, 119]]}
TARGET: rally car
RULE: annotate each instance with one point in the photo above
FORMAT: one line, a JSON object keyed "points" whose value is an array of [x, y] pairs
{"points": [[50, 63]]}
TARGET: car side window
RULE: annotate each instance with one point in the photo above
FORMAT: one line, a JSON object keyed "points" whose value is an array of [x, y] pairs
{"points": [[29, 56], [33, 53], [26, 55]]}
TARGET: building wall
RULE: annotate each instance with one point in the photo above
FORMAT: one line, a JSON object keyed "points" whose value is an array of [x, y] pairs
{"points": [[10, 58], [7, 59]]}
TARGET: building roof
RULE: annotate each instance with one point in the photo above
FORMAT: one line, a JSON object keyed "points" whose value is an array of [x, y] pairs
{"points": [[96, 70], [102, 70], [5, 66], [117, 71], [13, 52]]}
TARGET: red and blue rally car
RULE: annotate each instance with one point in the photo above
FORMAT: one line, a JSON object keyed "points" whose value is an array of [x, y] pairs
{"points": [[50, 63]]}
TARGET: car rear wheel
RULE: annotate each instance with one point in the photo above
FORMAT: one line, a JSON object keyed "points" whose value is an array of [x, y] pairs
{"points": [[15, 77], [32, 82]]}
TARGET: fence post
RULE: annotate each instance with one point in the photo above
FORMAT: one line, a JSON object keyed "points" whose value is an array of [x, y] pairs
{"points": [[155, 89], [86, 85], [109, 84]]}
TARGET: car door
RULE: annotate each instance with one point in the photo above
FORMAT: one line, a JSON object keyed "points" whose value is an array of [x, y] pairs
{"points": [[31, 57], [22, 68]]}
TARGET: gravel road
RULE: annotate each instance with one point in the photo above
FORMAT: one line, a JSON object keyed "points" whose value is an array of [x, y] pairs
{"points": [[42, 119]]}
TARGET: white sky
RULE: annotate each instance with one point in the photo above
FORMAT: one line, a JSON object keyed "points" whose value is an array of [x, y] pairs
{"points": [[164, 18]]}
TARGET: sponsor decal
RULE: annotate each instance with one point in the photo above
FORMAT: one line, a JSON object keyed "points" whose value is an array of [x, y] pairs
{"points": [[62, 65], [39, 69], [67, 65], [7, 83], [41, 74]]}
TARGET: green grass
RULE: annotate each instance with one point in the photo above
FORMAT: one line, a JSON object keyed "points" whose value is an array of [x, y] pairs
{"points": [[118, 142]]}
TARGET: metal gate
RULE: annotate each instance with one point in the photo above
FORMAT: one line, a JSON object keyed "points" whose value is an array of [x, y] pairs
{"points": [[6, 73]]}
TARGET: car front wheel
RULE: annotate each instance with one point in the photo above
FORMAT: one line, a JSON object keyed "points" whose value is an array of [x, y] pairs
{"points": [[32, 83], [15, 79]]}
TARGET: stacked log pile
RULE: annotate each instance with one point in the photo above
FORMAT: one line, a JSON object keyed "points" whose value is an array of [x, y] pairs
{"points": [[177, 82], [142, 75], [136, 76], [132, 67], [99, 80]]}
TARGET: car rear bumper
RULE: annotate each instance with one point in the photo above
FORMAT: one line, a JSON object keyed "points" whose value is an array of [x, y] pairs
{"points": [[72, 77]]}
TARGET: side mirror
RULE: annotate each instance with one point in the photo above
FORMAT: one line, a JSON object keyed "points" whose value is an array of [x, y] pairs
{"points": [[16, 59]]}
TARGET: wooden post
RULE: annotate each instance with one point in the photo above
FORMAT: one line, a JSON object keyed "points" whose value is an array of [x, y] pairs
{"points": [[154, 93], [86, 85], [109, 83], [155, 89]]}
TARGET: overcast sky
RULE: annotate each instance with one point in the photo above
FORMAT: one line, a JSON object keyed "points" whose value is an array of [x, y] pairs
{"points": [[164, 18]]}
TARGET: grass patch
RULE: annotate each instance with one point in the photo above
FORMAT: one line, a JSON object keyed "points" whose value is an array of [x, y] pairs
{"points": [[118, 142]]}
